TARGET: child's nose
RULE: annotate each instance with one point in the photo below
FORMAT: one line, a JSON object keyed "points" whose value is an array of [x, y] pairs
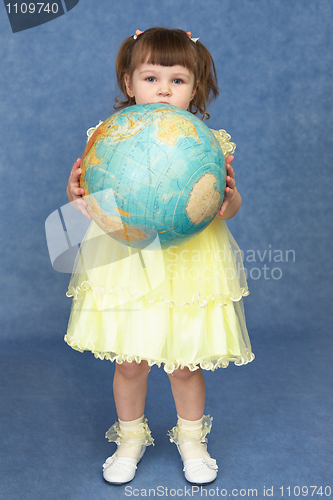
{"points": [[165, 89]]}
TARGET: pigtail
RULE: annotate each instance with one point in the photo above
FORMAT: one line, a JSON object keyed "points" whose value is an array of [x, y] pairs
{"points": [[122, 67], [207, 86]]}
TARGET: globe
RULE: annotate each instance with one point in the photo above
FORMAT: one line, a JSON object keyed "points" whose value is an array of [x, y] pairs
{"points": [[154, 176]]}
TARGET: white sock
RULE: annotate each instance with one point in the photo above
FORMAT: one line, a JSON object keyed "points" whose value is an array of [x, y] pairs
{"points": [[192, 449], [129, 450]]}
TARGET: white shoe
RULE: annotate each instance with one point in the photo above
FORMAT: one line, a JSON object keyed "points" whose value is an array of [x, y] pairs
{"points": [[200, 470], [121, 470]]}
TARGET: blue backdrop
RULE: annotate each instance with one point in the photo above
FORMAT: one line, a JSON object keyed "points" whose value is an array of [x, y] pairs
{"points": [[274, 64]]}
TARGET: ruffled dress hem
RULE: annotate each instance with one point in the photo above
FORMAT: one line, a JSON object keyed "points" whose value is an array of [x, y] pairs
{"points": [[119, 294], [169, 366]]}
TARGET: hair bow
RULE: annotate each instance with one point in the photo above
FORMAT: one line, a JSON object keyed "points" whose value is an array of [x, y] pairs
{"points": [[137, 33], [189, 34]]}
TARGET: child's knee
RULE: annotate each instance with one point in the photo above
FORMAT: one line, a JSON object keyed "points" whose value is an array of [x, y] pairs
{"points": [[133, 370], [182, 374]]}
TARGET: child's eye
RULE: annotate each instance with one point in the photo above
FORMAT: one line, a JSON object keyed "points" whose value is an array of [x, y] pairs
{"points": [[150, 79], [178, 81]]}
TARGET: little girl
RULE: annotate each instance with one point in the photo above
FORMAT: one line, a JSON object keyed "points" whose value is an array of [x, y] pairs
{"points": [[195, 319]]}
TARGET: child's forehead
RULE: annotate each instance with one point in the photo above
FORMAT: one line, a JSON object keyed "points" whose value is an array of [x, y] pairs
{"points": [[174, 68], [164, 56]]}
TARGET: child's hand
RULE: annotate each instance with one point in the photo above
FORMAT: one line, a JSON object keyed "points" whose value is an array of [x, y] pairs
{"points": [[75, 192], [230, 187], [232, 200]]}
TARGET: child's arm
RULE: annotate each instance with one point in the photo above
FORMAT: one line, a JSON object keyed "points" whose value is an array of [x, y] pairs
{"points": [[232, 199], [75, 192]]}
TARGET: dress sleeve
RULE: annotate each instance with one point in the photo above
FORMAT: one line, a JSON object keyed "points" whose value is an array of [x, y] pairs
{"points": [[91, 130], [227, 147]]}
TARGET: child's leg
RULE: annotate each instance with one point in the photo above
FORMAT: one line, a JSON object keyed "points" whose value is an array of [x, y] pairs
{"points": [[188, 389], [131, 432], [189, 392], [130, 389]]}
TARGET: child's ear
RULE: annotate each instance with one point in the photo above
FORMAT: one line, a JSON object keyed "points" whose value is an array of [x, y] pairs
{"points": [[194, 90], [128, 86]]}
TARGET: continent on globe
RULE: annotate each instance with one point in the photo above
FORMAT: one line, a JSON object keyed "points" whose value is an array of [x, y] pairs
{"points": [[153, 173], [171, 128], [204, 199], [113, 224]]}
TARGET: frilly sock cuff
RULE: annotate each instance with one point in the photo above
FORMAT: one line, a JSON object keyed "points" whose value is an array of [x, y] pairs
{"points": [[142, 436], [178, 435]]}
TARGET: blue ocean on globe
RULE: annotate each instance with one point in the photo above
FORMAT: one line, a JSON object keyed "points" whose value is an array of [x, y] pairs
{"points": [[153, 173]]}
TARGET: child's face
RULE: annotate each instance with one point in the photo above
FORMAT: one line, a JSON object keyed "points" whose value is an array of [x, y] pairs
{"points": [[166, 84]]}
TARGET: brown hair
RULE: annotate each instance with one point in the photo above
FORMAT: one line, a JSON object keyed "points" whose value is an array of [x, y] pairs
{"points": [[168, 47]]}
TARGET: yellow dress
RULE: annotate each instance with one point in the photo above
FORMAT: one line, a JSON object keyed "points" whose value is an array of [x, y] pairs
{"points": [[181, 306]]}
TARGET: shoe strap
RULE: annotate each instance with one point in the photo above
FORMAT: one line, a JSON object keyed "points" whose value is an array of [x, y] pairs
{"points": [[195, 464], [120, 462]]}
